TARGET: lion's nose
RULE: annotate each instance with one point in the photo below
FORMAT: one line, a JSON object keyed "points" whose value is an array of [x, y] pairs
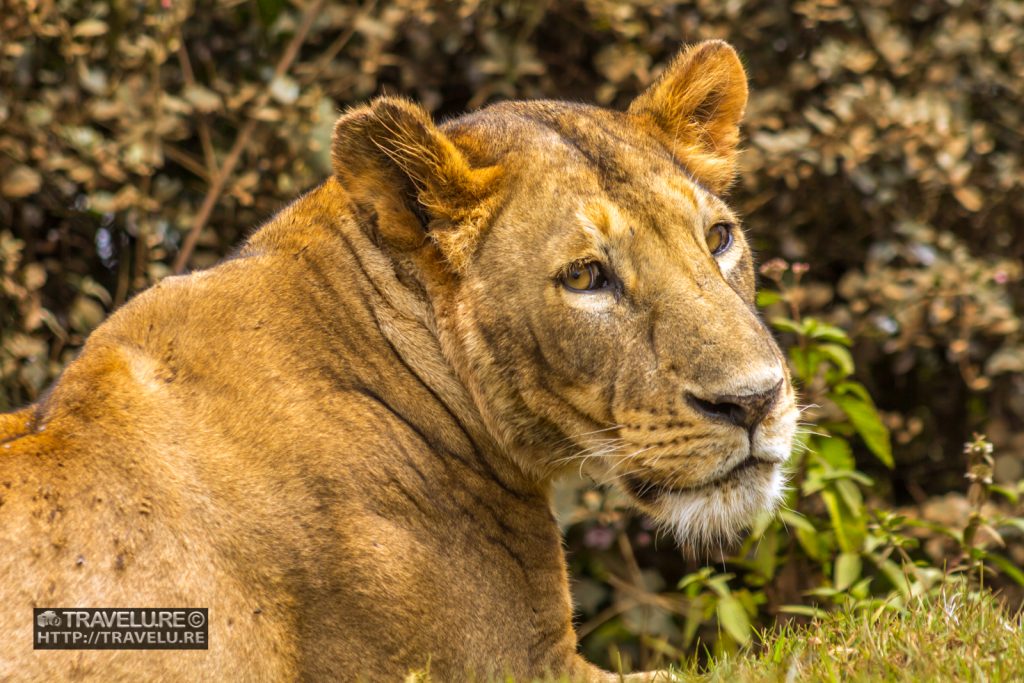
{"points": [[747, 410]]}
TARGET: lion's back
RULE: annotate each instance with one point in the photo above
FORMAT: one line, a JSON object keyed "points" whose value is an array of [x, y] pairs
{"points": [[94, 513]]}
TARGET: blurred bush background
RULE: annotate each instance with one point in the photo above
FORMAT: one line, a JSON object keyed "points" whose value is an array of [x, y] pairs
{"points": [[884, 158]]}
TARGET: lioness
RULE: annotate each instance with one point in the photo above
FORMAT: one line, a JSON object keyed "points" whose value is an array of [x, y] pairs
{"points": [[342, 440]]}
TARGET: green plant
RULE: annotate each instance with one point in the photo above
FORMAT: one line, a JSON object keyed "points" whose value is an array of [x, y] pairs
{"points": [[849, 551]]}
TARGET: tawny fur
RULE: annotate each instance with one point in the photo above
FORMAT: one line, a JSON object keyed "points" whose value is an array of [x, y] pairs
{"points": [[342, 441]]}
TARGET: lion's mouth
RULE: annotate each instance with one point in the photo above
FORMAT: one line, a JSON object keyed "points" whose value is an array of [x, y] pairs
{"points": [[647, 491]]}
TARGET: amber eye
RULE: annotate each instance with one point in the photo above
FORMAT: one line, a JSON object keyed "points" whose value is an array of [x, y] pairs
{"points": [[585, 276], [719, 238]]}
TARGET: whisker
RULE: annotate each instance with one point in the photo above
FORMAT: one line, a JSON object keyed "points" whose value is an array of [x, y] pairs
{"points": [[598, 443], [573, 437], [615, 478], [591, 450]]}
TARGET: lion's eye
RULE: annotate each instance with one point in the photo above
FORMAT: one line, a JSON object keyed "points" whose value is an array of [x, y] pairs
{"points": [[719, 238], [585, 277]]}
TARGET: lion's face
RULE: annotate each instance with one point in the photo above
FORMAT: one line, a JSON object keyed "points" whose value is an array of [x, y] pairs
{"points": [[601, 297], [611, 311]]}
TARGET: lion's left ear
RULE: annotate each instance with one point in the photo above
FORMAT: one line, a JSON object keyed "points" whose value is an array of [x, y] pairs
{"points": [[391, 157], [695, 108]]}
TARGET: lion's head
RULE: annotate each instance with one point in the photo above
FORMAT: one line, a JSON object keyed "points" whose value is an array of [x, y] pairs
{"points": [[591, 288]]}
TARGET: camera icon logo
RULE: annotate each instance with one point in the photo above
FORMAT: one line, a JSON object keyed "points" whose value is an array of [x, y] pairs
{"points": [[48, 618]]}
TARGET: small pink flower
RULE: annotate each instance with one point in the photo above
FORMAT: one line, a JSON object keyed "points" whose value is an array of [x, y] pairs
{"points": [[774, 268], [599, 537]]}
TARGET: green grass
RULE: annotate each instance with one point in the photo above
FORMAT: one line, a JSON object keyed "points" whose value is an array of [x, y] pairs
{"points": [[954, 637], [957, 636]]}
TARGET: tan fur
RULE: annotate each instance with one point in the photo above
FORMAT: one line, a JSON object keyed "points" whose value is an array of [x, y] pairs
{"points": [[342, 441]]}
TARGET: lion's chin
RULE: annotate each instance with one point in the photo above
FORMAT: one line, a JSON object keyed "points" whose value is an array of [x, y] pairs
{"points": [[715, 515]]}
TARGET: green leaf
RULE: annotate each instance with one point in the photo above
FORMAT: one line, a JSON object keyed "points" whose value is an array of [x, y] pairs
{"points": [[955, 534], [855, 388], [734, 619], [868, 424], [840, 357], [861, 589], [835, 513], [815, 329], [847, 521], [787, 325], [694, 578], [802, 363], [766, 554], [813, 544], [852, 475], [804, 610], [820, 331], [794, 519], [1015, 522], [767, 297], [847, 570], [894, 574], [1008, 567], [813, 483], [1005, 492], [836, 452], [720, 584], [851, 496]]}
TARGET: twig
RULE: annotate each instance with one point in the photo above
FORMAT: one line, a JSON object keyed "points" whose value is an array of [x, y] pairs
{"points": [[212, 195], [138, 280], [204, 128], [670, 602], [626, 548], [188, 161], [610, 612], [231, 160]]}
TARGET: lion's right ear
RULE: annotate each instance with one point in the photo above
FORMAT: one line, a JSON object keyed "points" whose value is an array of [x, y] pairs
{"points": [[695, 107], [391, 157]]}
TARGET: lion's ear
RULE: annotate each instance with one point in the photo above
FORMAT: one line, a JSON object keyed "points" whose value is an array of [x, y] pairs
{"points": [[695, 107], [391, 158]]}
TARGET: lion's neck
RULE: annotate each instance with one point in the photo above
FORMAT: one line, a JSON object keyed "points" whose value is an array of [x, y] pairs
{"points": [[405, 319]]}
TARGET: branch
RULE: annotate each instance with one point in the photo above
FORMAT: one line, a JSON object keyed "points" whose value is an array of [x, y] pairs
{"points": [[228, 167], [204, 129]]}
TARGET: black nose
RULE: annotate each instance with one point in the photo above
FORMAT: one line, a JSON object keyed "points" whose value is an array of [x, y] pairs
{"points": [[745, 411]]}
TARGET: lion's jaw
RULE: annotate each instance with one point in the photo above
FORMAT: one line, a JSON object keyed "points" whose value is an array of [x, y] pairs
{"points": [[713, 512]]}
